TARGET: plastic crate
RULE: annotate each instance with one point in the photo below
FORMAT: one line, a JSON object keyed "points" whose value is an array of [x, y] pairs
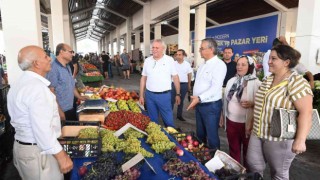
{"points": [[79, 147], [247, 176], [204, 155]]}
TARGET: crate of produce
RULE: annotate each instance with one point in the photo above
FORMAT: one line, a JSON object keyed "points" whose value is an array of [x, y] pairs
{"points": [[81, 138], [204, 154], [246, 176]]}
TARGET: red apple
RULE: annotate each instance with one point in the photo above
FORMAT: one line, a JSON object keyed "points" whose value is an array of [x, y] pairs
{"points": [[184, 144], [83, 171], [179, 152], [195, 143], [190, 146], [189, 137]]}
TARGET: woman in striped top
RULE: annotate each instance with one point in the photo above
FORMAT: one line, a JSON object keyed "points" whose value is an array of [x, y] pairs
{"points": [[282, 89]]}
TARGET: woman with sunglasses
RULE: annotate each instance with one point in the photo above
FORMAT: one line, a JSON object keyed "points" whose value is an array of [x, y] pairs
{"points": [[238, 105]]}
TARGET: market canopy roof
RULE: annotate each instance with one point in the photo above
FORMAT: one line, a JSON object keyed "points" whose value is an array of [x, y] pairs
{"points": [[96, 18]]}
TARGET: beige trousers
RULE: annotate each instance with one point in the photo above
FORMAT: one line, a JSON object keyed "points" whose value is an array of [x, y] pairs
{"points": [[277, 154], [32, 165]]}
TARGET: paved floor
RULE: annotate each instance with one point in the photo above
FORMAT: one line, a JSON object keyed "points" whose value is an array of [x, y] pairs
{"points": [[305, 166]]}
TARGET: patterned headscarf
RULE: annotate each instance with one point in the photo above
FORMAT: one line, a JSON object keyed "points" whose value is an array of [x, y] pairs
{"points": [[239, 84]]}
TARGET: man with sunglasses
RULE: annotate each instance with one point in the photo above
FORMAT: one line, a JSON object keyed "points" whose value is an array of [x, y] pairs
{"points": [[63, 83]]}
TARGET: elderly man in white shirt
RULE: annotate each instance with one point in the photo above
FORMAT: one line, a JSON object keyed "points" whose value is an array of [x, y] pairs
{"points": [[158, 70], [207, 93], [37, 154]]}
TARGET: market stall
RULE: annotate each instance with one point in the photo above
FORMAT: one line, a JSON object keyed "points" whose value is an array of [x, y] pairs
{"points": [[90, 73], [135, 146]]}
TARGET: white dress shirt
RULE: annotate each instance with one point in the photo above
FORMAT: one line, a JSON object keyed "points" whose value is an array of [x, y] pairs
{"points": [[159, 73], [209, 80], [265, 64], [300, 69], [34, 112], [183, 70]]}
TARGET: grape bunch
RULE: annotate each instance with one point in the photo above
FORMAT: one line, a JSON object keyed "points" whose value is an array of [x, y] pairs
{"points": [[158, 139], [162, 146], [122, 105], [88, 133], [132, 133], [112, 106], [134, 146], [152, 126], [106, 167], [133, 106], [189, 170], [130, 174], [110, 143], [169, 154]]}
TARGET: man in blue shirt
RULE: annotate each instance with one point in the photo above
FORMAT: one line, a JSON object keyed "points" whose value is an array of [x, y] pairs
{"points": [[62, 82]]}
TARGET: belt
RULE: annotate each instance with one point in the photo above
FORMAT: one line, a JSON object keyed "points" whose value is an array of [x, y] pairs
{"points": [[24, 143], [163, 92], [183, 83]]}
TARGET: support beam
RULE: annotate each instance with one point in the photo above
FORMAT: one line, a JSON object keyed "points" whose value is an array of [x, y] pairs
{"points": [[78, 22], [277, 5], [80, 28], [173, 27], [81, 39], [82, 11], [102, 28], [106, 22], [81, 32], [139, 2], [98, 31], [100, 6], [212, 21]]}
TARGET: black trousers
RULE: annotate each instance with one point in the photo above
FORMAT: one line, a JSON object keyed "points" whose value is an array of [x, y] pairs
{"points": [[71, 115]]}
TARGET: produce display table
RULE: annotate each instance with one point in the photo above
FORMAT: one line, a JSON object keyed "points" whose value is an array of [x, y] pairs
{"points": [[146, 173], [86, 79]]}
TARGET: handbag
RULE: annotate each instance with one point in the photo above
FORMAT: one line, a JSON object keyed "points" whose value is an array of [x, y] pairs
{"points": [[284, 124]]}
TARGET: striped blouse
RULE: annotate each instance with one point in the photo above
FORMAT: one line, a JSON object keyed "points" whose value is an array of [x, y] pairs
{"points": [[280, 96]]}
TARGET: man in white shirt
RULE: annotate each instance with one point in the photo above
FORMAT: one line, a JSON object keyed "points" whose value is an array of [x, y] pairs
{"points": [[207, 93], [37, 154], [158, 70], [265, 62], [184, 72], [302, 70]]}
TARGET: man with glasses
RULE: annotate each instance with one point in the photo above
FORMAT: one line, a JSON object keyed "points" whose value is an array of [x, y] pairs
{"points": [[62, 83], [158, 70], [207, 94]]}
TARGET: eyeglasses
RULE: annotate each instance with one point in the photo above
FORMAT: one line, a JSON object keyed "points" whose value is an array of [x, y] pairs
{"points": [[70, 51], [202, 48]]}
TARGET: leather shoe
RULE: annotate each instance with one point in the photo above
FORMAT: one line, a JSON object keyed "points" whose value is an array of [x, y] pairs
{"points": [[181, 118]]}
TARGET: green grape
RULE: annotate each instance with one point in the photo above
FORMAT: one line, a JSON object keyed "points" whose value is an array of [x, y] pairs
{"points": [[132, 133]]}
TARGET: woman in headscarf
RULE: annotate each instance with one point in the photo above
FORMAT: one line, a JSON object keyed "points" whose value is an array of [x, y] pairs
{"points": [[238, 105]]}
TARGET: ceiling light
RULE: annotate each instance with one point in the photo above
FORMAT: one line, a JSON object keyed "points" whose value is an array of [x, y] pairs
{"points": [[192, 11], [76, 4], [77, 17], [164, 22]]}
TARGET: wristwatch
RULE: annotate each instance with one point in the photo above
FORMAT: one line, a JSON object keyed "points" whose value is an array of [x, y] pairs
{"points": [[178, 94]]}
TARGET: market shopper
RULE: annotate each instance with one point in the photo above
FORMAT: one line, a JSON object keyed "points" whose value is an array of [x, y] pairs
{"points": [[184, 72], [62, 83], [231, 65], [238, 102], [125, 64], [158, 70], [105, 66], [37, 154], [207, 93], [281, 40], [284, 88]]}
